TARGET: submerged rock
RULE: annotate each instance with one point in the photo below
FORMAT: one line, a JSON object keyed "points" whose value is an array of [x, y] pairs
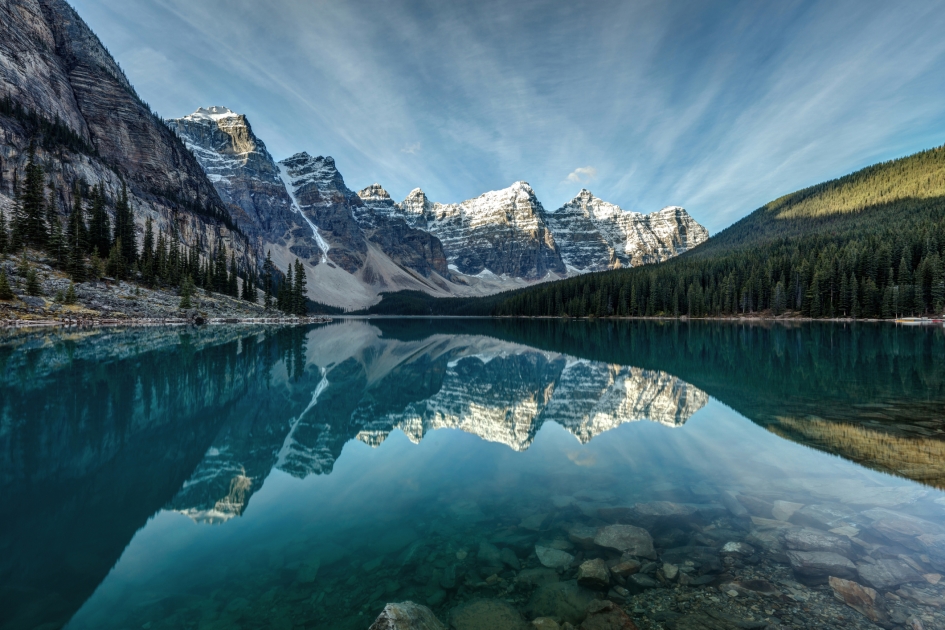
{"points": [[553, 558], [537, 576], [605, 615], [406, 616], [814, 567], [860, 598], [489, 555], [808, 539], [594, 574], [888, 573], [566, 601], [486, 614], [629, 539]]}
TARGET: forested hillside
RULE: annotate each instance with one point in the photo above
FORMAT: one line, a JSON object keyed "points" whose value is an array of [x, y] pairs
{"points": [[866, 245]]}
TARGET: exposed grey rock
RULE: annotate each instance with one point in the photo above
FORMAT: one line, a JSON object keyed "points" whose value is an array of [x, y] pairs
{"points": [[594, 574], [627, 539], [887, 573], [814, 567], [406, 616]]}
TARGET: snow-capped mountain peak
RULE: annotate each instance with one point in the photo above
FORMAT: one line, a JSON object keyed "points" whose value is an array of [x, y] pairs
{"points": [[213, 113]]}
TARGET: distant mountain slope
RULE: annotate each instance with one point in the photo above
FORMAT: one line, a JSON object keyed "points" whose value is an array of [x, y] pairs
{"points": [[866, 245]]}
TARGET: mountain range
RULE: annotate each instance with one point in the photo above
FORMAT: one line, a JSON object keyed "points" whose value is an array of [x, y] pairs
{"points": [[357, 245]]}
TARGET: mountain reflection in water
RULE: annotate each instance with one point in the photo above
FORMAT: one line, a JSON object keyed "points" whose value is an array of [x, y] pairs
{"points": [[99, 431]]}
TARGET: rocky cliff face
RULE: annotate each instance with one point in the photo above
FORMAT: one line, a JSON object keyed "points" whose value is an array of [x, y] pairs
{"points": [[594, 235], [52, 63], [243, 173], [412, 248]]}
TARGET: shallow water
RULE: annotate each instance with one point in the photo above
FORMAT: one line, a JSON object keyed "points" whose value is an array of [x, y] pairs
{"points": [[303, 477]]}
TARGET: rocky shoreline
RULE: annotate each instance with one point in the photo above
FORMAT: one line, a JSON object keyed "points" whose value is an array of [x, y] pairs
{"points": [[108, 302]]}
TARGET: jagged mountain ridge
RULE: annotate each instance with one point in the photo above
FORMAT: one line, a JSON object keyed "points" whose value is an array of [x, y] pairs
{"points": [[370, 244], [51, 63], [595, 235]]}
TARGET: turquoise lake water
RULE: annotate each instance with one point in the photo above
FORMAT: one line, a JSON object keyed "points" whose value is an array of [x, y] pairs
{"points": [[303, 477]]}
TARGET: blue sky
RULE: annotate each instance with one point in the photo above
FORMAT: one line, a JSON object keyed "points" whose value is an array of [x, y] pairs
{"points": [[715, 106]]}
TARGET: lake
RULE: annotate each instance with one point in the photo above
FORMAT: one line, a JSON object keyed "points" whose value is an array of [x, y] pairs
{"points": [[699, 475]]}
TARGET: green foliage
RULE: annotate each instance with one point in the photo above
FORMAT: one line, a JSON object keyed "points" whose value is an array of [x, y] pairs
{"points": [[298, 305]]}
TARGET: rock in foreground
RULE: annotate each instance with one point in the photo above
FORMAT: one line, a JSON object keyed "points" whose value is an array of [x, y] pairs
{"points": [[406, 616]]}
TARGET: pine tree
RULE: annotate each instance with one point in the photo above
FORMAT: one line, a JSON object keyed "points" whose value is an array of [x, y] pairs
{"points": [[56, 245], [115, 265], [232, 287], [284, 299], [99, 224], [268, 269], [76, 240], [33, 287], [6, 293], [187, 290], [147, 253], [30, 223], [71, 297], [298, 290], [125, 228], [220, 281]]}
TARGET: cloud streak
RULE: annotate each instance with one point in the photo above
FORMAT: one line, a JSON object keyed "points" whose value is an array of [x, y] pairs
{"points": [[582, 175], [718, 107]]}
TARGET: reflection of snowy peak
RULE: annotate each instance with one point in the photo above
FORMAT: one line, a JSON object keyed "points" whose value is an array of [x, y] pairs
{"points": [[360, 385]]}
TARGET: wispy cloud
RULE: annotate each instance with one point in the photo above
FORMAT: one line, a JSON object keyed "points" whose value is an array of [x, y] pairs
{"points": [[582, 175], [719, 106]]}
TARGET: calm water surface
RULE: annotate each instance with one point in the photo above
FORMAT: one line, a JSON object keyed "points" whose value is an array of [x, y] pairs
{"points": [[242, 477]]}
